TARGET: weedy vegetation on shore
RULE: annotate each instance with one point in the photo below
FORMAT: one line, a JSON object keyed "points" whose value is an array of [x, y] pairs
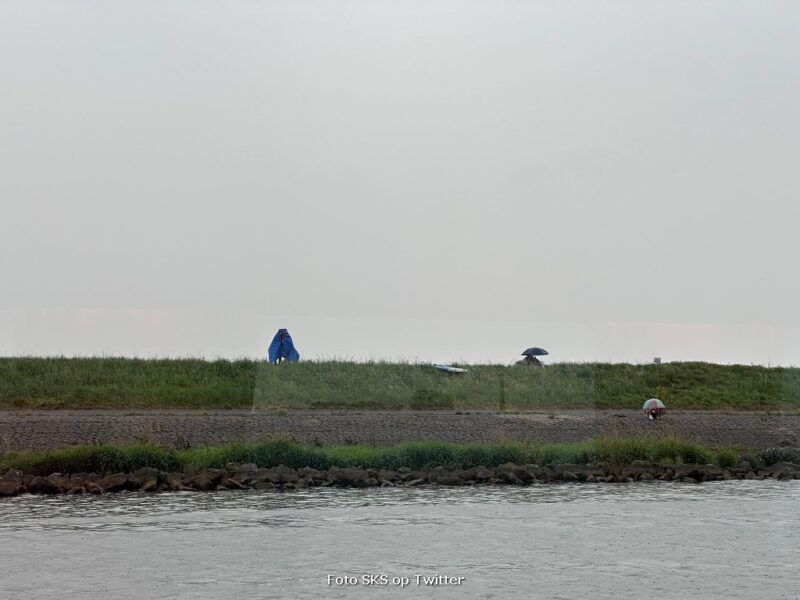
{"points": [[416, 455], [126, 383]]}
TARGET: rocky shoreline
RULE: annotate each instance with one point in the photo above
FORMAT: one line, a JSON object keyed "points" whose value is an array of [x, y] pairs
{"points": [[249, 476]]}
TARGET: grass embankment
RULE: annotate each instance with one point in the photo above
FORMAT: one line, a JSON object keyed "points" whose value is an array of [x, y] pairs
{"points": [[417, 455], [50, 383]]}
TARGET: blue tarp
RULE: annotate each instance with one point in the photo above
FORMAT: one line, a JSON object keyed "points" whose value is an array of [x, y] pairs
{"points": [[282, 347]]}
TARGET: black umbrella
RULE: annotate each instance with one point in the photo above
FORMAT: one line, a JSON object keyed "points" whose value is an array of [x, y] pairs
{"points": [[535, 352]]}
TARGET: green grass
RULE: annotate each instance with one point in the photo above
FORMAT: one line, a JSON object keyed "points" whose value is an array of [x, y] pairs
{"points": [[92, 459], [51, 383], [417, 455]]}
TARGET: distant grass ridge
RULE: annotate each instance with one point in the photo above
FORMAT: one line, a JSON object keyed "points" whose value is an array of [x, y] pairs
{"points": [[415, 455], [52, 383]]}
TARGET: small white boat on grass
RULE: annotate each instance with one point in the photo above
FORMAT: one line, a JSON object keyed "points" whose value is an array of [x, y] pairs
{"points": [[449, 369]]}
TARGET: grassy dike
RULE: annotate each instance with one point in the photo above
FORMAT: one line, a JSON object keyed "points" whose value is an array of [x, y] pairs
{"points": [[125, 383], [418, 455]]}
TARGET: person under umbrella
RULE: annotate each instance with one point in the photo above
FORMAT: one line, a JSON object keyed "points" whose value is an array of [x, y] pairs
{"points": [[653, 408], [529, 356], [282, 348]]}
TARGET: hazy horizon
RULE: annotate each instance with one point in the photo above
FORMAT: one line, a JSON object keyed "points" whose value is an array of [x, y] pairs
{"points": [[165, 334]]}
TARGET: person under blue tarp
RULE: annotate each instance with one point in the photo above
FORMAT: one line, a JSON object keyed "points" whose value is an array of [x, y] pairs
{"points": [[282, 348]]}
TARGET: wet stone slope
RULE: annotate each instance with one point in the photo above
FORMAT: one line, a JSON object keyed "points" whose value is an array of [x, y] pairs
{"points": [[40, 430]]}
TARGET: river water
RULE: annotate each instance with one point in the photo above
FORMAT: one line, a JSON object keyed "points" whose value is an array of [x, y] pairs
{"points": [[736, 539]]}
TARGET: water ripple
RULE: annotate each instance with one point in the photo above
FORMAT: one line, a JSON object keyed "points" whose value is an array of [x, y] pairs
{"points": [[329, 506]]}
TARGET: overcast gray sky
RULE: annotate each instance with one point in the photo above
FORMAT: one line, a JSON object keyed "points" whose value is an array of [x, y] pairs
{"points": [[185, 177]]}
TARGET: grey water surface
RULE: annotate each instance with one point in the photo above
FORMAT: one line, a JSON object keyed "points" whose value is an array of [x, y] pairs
{"points": [[736, 539]]}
